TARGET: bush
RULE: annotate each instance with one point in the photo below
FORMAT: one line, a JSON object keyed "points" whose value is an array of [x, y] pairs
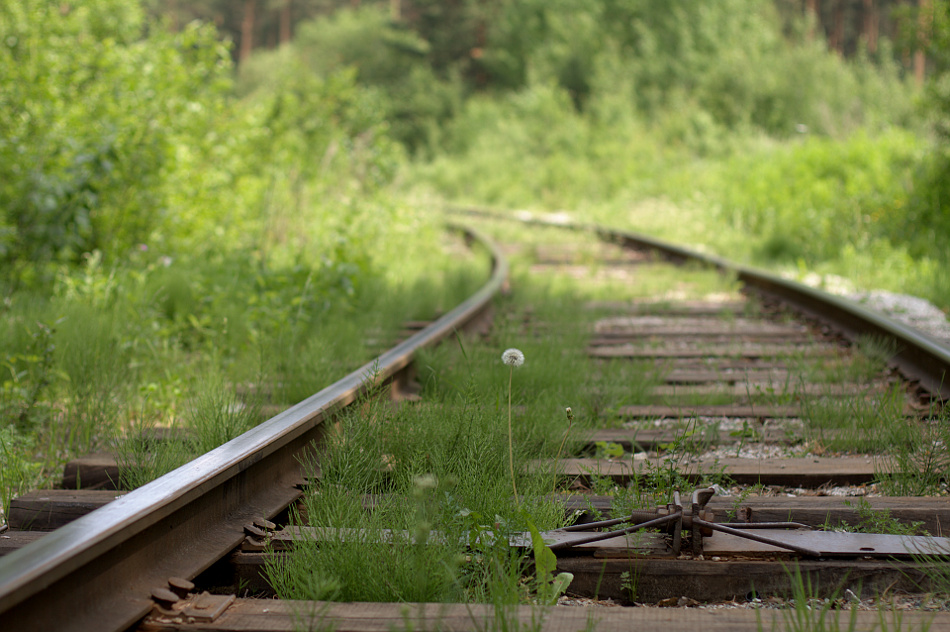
{"points": [[730, 63], [96, 126], [811, 199]]}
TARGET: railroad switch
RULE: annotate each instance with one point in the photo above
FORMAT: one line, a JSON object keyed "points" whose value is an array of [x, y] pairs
{"points": [[744, 538], [675, 519]]}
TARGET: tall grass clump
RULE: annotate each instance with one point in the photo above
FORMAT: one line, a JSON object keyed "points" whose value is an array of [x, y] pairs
{"points": [[441, 510], [921, 463], [809, 612]]}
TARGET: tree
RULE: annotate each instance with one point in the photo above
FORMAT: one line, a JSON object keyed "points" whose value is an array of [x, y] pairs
{"points": [[95, 126]]}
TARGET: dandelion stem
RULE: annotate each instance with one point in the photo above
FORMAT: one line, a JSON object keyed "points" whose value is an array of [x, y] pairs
{"points": [[511, 453]]}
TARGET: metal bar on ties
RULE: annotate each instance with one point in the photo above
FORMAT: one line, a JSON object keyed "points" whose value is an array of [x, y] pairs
{"points": [[757, 538], [634, 516], [597, 537], [766, 525]]}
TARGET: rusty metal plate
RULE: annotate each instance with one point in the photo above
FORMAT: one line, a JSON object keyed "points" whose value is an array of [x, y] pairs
{"points": [[829, 544], [642, 542], [207, 607]]}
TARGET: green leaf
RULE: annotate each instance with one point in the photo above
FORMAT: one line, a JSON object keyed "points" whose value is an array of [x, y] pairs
{"points": [[544, 559], [561, 582]]}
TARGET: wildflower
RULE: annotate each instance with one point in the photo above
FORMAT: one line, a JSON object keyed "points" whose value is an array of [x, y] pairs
{"points": [[513, 357]]}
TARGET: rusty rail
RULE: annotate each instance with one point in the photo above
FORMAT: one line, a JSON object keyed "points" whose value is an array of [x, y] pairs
{"points": [[918, 357], [97, 572]]}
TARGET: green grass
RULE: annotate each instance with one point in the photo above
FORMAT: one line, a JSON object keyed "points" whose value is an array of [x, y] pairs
{"points": [[120, 351], [434, 470], [876, 521], [806, 611]]}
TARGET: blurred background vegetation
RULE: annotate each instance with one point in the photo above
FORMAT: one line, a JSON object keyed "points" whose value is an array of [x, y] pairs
{"points": [[804, 135], [193, 188]]}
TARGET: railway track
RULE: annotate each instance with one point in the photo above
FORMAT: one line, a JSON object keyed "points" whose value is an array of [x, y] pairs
{"points": [[772, 398]]}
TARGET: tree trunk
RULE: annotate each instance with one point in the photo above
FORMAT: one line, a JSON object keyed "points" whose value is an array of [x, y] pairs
{"points": [[173, 13], [247, 30], [837, 31], [924, 26], [871, 22], [285, 32], [811, 12]]}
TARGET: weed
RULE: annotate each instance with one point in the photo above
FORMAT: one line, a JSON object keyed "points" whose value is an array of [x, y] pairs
{"points": [[19, 473], [217, 415], [921, 463], [608, 450], [512, 358], [629, 583], [452, 465], [741, 497], [862, 423], [30, 374], [547, 588], [560, 449], [877, 521], [809, 613]]}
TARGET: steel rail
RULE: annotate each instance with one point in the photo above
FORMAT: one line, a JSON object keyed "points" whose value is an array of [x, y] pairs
{"points": [[97, 573], [918, 357]]}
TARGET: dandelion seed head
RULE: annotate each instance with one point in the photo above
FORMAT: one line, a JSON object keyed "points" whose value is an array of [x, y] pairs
{"points": [[513, 357]]}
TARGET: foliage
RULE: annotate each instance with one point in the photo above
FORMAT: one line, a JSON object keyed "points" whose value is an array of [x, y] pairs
{"points": [[549, 588], [386, 57], [97, 126], [439, 479], [726, 64], [930, 205], [809, 200], [871, 521], [170, 229], [19, 472], [117, 136]]}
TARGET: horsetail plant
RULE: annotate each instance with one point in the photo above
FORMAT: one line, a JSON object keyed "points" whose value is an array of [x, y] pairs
{"points": [[570, 423], [513, 358]]}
